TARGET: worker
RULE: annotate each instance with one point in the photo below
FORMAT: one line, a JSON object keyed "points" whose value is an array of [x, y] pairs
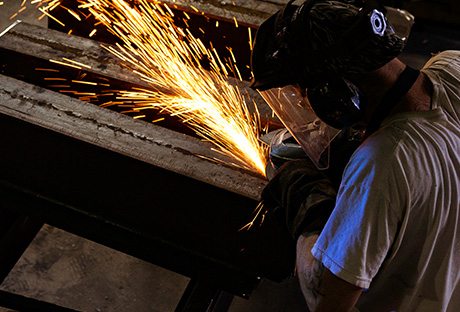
{"points": [[389, 238]]}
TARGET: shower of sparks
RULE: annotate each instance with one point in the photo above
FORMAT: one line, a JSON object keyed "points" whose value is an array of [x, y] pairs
{"points": [[168, 57]]}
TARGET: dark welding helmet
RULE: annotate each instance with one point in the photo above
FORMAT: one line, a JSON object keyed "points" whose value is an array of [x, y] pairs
{"points": [[304, 56]]}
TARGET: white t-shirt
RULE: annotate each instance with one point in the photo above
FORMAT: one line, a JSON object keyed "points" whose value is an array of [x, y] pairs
{"points": [[395, 230]]}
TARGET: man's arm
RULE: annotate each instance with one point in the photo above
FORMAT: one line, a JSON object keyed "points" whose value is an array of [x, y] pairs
{"points": [[323, 291], [336, 294]]}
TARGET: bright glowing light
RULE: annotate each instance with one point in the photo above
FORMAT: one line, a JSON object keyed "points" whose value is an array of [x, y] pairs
{"points": [[171, 58], [168, 57]]}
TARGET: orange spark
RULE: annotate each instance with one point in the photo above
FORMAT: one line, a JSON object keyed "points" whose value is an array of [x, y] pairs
{"points": [[85, 82], [65, 64], [51, 16], [236, 22]]}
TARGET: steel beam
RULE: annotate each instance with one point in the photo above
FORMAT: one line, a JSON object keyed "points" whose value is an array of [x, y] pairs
{"points": [[122, 134]]}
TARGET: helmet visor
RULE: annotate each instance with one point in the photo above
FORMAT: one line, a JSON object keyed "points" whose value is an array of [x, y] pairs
{"points": [[295, 112]]}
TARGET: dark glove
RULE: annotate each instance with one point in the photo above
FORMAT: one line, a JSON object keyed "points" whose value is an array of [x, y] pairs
{"points": [[301, 196]]}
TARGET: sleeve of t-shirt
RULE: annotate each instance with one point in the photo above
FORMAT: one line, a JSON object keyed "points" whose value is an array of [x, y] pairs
{"points": [[364, 223]]}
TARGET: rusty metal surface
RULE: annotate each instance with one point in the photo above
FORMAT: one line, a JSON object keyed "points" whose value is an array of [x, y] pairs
{"points": [[250, 13], [137, 139]]}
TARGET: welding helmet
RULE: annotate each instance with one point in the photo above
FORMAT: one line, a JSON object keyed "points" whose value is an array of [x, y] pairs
{"points": [[309, 53]]}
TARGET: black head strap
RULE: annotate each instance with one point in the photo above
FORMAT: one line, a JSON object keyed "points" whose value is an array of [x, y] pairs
{"points": [[405, 81]]}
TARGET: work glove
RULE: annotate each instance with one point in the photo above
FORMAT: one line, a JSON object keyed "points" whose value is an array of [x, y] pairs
{"points": [[301, 196]]}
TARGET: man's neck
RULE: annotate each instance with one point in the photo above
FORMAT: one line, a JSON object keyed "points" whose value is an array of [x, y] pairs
{"points": [[375, 85]]}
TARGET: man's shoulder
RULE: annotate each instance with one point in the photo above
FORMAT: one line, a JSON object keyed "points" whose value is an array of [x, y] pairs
{"points": [[374, 157], [443, 60], [385, 139], [443, 71], [446, 56]]}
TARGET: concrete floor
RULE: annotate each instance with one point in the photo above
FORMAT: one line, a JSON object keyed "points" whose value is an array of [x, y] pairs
{"points": [[65, 269]]}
